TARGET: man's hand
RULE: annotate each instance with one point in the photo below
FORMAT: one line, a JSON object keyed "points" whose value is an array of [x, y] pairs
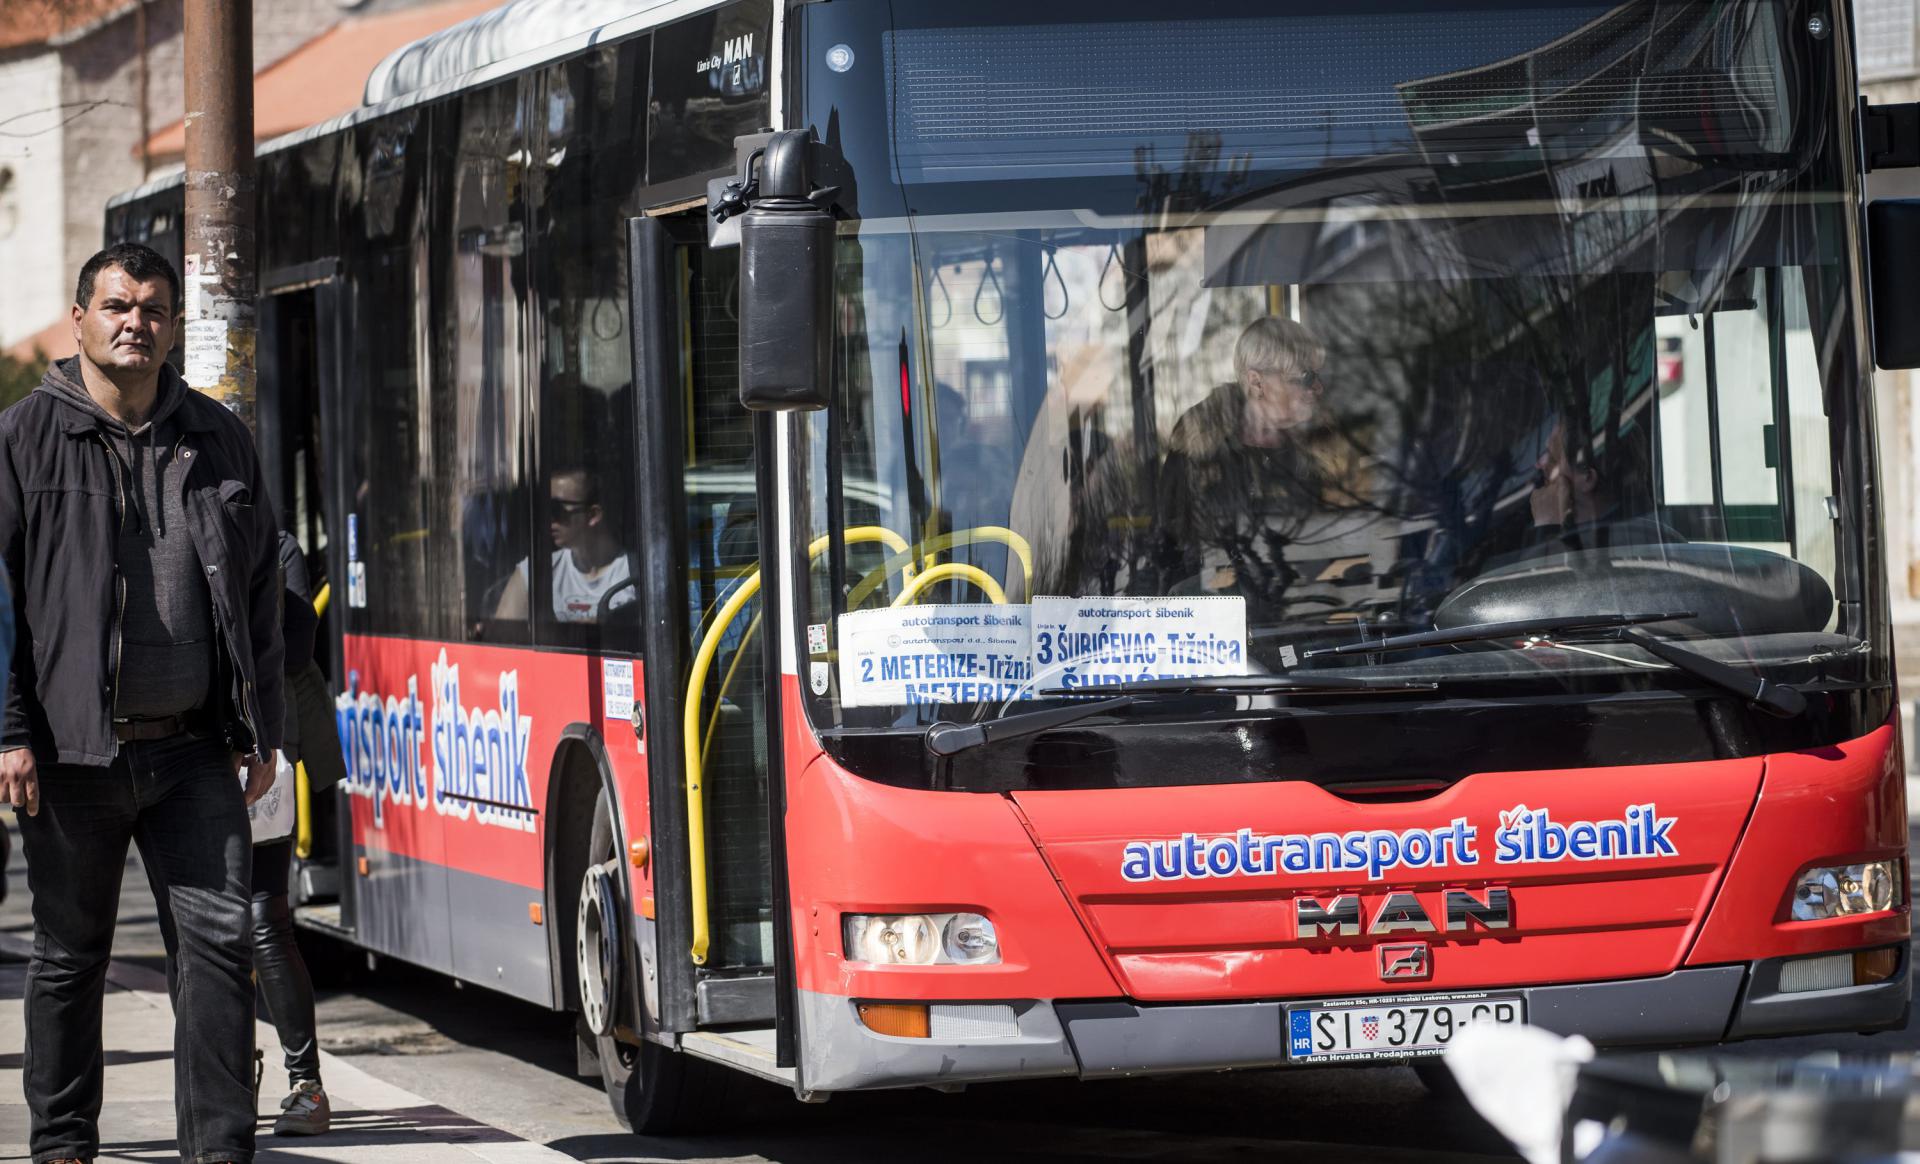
{"points": [[20, 780], [259, 778]]}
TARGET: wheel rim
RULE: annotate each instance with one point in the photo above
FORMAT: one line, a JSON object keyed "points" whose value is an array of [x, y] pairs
{"points": [[596, 949]]}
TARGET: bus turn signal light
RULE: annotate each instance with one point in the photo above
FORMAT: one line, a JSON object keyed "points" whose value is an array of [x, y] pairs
{"points": [[899, 1019], [1875, 965]]}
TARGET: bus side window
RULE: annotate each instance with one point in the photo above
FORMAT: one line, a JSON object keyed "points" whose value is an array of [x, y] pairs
{"points": [[480, 291], [389, 443], [581, 580]]}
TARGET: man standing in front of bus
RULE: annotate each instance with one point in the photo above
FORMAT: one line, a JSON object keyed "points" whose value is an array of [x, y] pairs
{"points": [[140, 542]]}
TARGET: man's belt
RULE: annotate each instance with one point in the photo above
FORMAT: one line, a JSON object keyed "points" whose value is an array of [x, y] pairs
{"points": [[165, 727]]}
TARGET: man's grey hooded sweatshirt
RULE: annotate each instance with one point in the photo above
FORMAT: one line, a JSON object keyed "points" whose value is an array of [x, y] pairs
{"points": [[165, 664]]}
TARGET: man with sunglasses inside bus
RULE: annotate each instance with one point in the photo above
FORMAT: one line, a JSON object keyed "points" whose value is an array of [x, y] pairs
{"points": [[589, 563], [140, 540]]}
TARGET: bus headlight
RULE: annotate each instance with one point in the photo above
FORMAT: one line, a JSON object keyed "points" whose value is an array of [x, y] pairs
{"points": [[920, 939], [1846, 890]]}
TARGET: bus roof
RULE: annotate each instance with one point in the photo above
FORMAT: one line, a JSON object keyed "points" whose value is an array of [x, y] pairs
{"points": [[473, 53], [491, 37]]}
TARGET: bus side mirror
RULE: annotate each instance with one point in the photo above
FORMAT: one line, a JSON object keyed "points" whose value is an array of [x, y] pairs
{"points": [[1893, 255], [786, 282]]}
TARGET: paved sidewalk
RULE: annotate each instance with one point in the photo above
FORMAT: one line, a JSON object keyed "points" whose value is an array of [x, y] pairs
{"points": [[372, 1120]]}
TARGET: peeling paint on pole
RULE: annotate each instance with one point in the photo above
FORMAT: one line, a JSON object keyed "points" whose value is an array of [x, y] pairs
{"points": [[220, 205]]}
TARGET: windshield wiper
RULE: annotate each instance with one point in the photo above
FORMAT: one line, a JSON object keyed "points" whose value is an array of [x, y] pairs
{"points": [[1479, 632], [947, 739], [1295, 683], [1773, 698]]}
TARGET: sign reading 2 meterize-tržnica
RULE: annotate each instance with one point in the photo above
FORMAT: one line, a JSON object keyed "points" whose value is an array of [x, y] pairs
{"points": [[935, 654], [977, 653]]}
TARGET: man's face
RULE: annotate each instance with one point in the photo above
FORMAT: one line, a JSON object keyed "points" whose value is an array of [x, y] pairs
{"points": [[1285, 399], [1557, 481], [569, 510], [128, 327]]}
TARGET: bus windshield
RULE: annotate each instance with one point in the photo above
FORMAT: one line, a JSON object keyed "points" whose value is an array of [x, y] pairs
{"points": [[1196, 344]]}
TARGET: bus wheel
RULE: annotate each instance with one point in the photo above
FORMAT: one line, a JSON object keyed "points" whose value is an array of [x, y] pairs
{"points": [[652, 1090]]}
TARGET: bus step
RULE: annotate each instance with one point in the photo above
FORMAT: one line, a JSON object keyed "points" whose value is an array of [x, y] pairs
{"points": [[318, 882], [323, 919], [749, 1050], [735, 1001]]}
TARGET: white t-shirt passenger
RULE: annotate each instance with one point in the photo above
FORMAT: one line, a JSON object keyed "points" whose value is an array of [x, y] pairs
{"points": [[576, 594]]}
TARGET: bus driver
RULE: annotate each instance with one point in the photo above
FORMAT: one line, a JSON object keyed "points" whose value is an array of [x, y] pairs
{"points": [[1248, 472], [588, 560]]}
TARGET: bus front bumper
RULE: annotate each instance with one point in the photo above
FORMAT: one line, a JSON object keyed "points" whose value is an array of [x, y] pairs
{"points": [[1113, 1039]]}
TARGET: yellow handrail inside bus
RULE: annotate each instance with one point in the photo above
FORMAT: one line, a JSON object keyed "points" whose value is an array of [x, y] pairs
{"points": [[302, 789], [855, 536], [690, 726], [726, 685], [904, 561], [302, 813], [945, 570]]}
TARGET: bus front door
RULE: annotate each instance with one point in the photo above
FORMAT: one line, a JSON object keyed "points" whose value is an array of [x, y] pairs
{"points": [[705, 689]]}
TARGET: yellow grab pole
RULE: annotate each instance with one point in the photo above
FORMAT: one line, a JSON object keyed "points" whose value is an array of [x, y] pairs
{"points": [[690, 727], [302, 788], [945, 570], [302, 813]]}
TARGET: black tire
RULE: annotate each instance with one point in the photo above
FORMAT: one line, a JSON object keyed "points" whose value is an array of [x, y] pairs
{"points": [[653, 1091]]}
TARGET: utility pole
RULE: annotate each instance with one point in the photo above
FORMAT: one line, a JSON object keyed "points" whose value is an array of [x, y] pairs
{"points": [[146, 129], [219, 279]]}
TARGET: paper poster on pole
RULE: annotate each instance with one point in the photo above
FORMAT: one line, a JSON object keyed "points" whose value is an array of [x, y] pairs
{"points": [[206, 353], [190, 291], [1091, 642], [934, 654]]}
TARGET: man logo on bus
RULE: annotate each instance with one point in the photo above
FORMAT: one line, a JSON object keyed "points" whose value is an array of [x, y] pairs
{"points": [[1406, 961]]}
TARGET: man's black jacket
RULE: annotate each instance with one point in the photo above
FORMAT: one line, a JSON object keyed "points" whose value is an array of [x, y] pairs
{"points": [[59, 517]]}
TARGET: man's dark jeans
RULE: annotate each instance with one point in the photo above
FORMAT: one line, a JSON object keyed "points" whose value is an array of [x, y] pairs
{"points": [[179, 801]]}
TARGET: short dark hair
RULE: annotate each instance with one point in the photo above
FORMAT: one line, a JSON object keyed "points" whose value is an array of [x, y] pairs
{"points": [[136, 259], [589, 479]]}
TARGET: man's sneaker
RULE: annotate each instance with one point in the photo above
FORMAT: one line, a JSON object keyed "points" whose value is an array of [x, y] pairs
{"points": [[305, 1112]]}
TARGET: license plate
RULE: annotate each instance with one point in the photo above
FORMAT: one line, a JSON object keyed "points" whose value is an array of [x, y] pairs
{"points": [[1393, 1028]]}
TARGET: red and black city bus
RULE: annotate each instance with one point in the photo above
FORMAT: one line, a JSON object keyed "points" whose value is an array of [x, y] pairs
{"points": [[886, 544]]}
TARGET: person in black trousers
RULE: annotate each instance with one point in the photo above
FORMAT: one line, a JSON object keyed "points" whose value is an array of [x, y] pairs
{"points": [[310, 739], [138, 536]]}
